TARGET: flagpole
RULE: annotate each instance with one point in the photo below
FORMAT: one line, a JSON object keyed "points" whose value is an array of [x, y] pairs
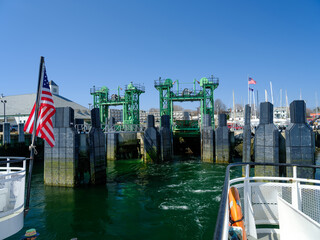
{"points": [[32, 146], [258, 106], [248, 90]]}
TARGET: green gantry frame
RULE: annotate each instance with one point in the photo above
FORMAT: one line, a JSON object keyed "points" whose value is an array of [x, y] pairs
{"points": [[205, 95], [130, 102]]}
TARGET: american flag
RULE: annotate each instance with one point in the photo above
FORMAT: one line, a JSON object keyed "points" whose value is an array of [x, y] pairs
{"points": [[46, 111], [251, 81]]}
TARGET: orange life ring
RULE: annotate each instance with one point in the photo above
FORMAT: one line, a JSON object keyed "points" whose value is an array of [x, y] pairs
{"points": [[236, 216]]}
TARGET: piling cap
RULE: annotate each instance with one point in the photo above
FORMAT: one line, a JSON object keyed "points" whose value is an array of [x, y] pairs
{"points": [[64, 117], [266, 113], [222, 120], [165, 121], [95, 118], [247, 114], [150, 121], [298, 111]]}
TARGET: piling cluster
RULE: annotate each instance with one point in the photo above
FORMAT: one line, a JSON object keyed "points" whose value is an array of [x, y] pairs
{"points": [[80, 157], [266, 142], [222, 140], [207, 140], [300, 140], [60, 162], [97, 143]]}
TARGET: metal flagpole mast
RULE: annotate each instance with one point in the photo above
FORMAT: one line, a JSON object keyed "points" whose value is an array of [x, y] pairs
{"points": [[32, 146], [254, 105], [258, 106], [248, 90]]}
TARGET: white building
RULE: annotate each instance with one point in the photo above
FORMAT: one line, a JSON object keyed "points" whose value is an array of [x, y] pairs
{"points": [[280, 113], [117, 114], [18, 107]]}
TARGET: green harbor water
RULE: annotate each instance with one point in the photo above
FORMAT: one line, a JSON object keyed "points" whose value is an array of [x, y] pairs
{"points": [[177, 200]]}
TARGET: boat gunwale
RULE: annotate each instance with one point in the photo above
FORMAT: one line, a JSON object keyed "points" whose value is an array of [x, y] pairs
{"points": [[219, 228], [16, 173]]}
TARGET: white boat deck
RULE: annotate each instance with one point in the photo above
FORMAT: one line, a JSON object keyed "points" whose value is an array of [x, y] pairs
{"points": [[12, 188], [274, 207]]}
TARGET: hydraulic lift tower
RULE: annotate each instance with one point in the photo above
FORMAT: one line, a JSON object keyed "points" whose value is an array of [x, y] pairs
{"points": [[130, 102], [205, 95]]}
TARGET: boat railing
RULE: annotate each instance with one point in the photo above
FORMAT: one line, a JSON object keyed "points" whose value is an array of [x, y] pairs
{"points": [[12, 184], [259, 196]]}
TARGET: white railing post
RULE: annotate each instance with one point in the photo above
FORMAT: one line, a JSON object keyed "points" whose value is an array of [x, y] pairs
{"points": [[226, 219], [296, 191], [246, 196], [8, 183]]}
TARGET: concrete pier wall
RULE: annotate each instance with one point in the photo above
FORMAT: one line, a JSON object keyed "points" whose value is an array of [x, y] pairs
{"points": [[207, 140], [122, 145], [97, 150], [300, 140], [128, 145], [61, 161], [112, 145], [266, 143], [222, 140], [166, 147]]}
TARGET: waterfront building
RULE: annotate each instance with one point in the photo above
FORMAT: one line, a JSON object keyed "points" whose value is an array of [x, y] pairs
{"points": [[280, 113], [18, 107], [117, 114], [143, 116], [237, 115]]}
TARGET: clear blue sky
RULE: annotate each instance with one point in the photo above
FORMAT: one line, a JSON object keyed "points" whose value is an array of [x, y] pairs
{"points": [[111, 43]]}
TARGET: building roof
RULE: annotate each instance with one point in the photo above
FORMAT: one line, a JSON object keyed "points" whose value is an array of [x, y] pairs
{"points": [[23, 104], [52, 83]]}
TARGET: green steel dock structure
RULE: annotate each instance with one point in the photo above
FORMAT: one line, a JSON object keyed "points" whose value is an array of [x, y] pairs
{"points": [[205, 95], [130, 102]]}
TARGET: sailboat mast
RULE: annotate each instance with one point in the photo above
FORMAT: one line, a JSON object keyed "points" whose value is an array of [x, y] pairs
{"points": [[271, 92], [287, 103], [300, 94], [266, 95], [234, 107], [316, 103]]}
